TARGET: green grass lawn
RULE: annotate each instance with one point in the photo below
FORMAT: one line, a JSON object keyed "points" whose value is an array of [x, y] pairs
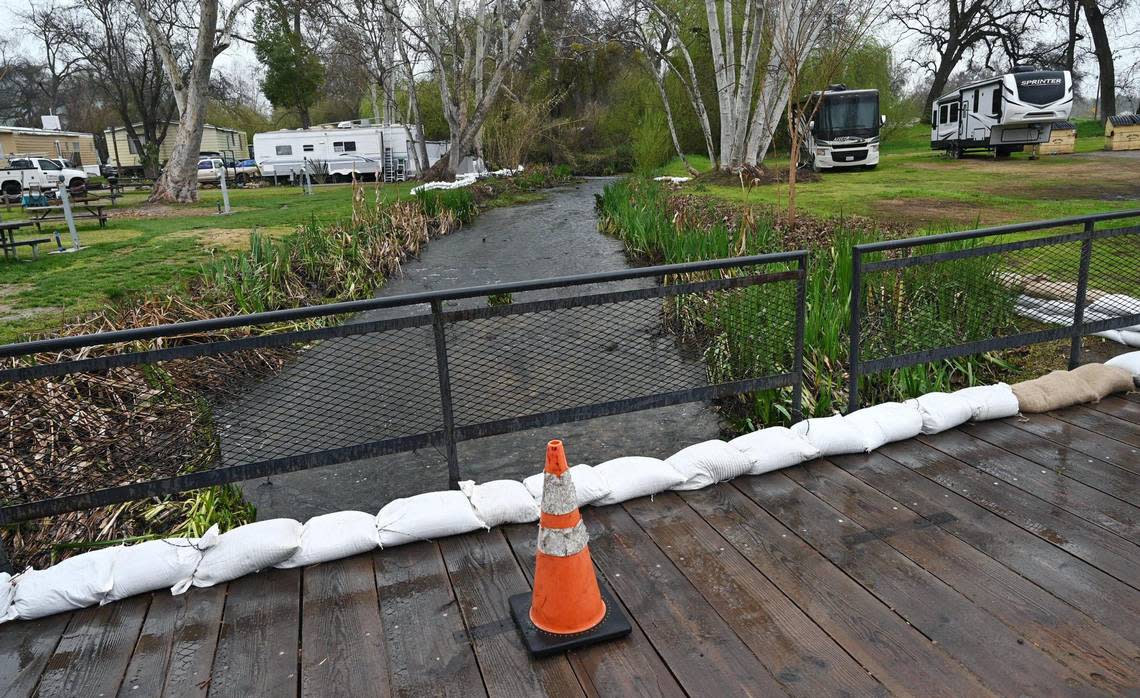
{"points": [[141, 249], [916, 188]]}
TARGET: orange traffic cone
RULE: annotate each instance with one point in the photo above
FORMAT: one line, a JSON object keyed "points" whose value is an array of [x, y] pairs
{"points": [[568, 607]]}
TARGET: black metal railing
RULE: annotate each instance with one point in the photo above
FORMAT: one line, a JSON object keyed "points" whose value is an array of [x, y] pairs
{"points": [[217, 401], [926, 299]]}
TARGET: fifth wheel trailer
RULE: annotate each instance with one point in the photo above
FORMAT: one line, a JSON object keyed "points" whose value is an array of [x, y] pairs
{"points": [[1004, 113]]}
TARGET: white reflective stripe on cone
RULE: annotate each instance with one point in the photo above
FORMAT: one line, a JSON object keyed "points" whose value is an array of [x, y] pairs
{"points": [[558, 495], [563, 542]]}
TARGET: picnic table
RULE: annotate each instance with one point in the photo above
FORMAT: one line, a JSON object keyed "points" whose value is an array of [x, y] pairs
{"points": [[95, 198], [9, 242], [79, 209]]}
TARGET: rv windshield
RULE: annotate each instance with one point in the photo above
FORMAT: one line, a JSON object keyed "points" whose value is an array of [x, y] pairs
{"points": [[848, 115]]}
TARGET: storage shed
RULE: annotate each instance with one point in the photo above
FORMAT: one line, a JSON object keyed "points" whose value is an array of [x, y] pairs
{"points": [[1062, 139], [1122, 132]]}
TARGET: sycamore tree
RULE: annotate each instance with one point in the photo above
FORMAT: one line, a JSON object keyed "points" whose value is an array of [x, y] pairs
{"points": [[188, 37]]}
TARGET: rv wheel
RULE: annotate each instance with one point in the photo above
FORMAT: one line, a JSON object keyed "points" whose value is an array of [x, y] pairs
{"points": [[955, 151]]}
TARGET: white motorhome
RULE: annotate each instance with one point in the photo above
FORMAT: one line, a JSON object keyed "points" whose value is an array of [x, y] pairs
{"points": [[842, 128], [347, 147], [1003, 113]]}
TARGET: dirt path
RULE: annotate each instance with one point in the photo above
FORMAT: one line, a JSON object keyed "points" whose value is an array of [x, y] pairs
{"points": [[342, 392]]}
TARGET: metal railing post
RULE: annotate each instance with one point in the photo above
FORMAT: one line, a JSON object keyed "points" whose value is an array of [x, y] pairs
{"points": [[1082, 293], [853, 351], [798, 357], [445, 395], [65, 199], [225, 192]]}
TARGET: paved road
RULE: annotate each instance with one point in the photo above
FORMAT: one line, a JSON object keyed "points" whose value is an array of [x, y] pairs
{"points": [[358, 389]]}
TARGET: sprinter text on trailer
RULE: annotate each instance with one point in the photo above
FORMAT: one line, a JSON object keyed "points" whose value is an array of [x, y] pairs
{"points": [[842, 128], [1003, 113]]}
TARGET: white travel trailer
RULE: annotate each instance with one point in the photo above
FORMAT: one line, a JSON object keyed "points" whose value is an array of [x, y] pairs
{"points": [[842, 128], [1003, 113], [347, 147]]}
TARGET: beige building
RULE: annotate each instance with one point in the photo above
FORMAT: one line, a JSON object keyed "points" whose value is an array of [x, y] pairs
{"points": [[215, 139], [77, 148]]}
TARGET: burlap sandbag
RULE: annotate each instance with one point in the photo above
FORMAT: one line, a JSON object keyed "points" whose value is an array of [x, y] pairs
{"points": [[1052, 392], [1104, 380]]}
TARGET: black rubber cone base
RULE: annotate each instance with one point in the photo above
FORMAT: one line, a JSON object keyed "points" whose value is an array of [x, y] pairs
{"points": [[541, 643]]}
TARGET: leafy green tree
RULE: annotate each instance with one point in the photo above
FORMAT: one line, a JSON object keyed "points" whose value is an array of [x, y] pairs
{"points": [[293, 72]]}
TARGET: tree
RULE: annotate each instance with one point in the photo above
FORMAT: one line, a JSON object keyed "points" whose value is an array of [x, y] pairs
{"points": [[49, 26], [206, 36], [293, 72], [1102, 47]]}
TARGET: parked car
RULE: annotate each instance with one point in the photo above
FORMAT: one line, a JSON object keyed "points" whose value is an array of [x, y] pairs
{"points": [[210, 171], [23, 173]]}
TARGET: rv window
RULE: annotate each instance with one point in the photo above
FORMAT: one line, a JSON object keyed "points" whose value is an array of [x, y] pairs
{"points": [[996, 107], [344, 146], [934, 117], [975, 109], [954, 112], [284, 150], [307, 148], [944, 113]]}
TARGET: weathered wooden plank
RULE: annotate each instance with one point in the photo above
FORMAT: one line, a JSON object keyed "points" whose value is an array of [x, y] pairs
{"points": [[484, 575], [799, 654], [1119, 407], [1102, 475], [1063, 492], [342, 638], [1074, 437], [1101, 423], [94, 650], [628, 667], [175, 650], [428, 649], [258, 642], [700, 649], [1002, 659], [25, 648], [1131, 397], [1096, 655], [1102, 597], [1091, 543], [899, 656]]}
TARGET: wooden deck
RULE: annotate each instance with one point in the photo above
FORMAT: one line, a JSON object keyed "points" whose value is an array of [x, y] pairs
{"points": [[997, 559]]}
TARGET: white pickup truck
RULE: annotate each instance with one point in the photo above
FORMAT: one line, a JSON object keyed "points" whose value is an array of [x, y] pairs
{"points": [[23, 173]]}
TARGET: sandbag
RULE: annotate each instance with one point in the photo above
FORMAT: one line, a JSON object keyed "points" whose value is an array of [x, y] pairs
{"points": [[1052, 392], [774, 448], [501, 502], [833, 436], [332, 537], [588, 485], [1115, 304], [77, 582], [157, 564], [630, 477], [942, 411], [7, 591], [1104, 379], [706, 463], [886, 423], [1129, 362], [426, 516], [989, 401], [244, 550]]}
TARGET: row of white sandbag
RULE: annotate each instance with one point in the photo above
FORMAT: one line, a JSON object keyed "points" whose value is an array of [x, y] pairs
{"points": [[117, 572], [466, 179], [1061, 312]]}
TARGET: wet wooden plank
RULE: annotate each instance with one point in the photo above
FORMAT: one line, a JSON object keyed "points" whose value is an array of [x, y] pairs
{"points": [[1102, 475], [1119, 407], [1119, 454], [699, 648], [1002, 659], [627, 667], [25, 648], [1101, 423], [1058, 490], [799, 654], [1102, 597], [95, 650], [258, 643], [1106, 551], [1094, 654], [176, 647], [342, 638], [484, 575], [428, 649], [899, 656]]}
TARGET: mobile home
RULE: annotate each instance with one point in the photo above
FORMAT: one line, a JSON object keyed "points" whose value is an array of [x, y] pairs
{"points": [[121, 151], [1003, 113], [77, 149], [384, 151], [841, 129]]}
